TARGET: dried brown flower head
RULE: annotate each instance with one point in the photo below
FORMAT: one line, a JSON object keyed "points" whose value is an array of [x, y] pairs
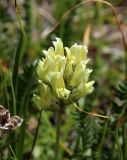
{"points": [[7, 123]]}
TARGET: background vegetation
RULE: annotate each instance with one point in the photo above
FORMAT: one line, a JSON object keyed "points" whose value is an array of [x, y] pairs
{"points": [[83, 136]]}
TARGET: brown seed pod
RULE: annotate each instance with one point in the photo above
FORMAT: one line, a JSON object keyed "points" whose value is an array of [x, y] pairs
{"points": [[4, 115], [7, 123]]}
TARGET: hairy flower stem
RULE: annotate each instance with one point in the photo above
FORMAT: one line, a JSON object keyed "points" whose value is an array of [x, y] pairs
{"points": [[58, 134]]}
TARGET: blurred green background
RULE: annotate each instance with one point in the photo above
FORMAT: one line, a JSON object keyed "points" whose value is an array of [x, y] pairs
{"points": [[92, 24]]}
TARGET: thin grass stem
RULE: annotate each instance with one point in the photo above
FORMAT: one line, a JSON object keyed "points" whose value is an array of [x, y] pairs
{"points": [[118, 145], [12, 152], [13, 96], [36, 134], [24, 112], [103, 137]]}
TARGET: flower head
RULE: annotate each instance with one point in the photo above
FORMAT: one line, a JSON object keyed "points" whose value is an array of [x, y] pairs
{"points": [[63, 75]]}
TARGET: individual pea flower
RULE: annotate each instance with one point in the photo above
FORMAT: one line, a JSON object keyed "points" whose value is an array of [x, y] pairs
{"points": [[45, 98], [58, 86], [63, 75]]}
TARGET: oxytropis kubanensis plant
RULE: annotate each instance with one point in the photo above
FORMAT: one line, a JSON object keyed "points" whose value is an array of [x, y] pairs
{"points": [[63, 76]]}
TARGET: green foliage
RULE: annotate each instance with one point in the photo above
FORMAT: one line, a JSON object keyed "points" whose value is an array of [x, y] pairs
{"points": [[121, 91], [82, 136], [88, 129]]}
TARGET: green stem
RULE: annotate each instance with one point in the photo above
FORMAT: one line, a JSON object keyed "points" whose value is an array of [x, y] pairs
{"points": [[13, 110], [23, 112], [118, 144], [58, 134], [125, 142], [103, 137], [22, 134], [12, 152], [36, 134]]}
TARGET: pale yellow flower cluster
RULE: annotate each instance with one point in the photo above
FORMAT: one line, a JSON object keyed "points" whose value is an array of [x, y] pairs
{"points": [[63, 75]]}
